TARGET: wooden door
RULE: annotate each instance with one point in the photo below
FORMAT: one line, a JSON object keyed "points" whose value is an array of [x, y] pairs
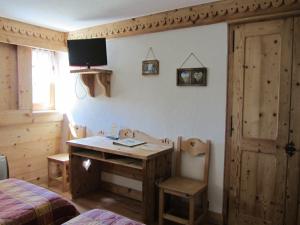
{"points": [[261, 92], [293, 170]]}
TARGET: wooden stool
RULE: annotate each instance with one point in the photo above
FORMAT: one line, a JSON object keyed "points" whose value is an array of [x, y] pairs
{"points": [[63, 161]]}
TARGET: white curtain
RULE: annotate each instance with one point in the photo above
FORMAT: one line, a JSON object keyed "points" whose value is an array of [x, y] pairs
{"points": [[43, 76]]}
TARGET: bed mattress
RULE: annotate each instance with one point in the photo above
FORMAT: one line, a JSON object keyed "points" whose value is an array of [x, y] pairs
{"points": [[23, 203], [101, 217]]}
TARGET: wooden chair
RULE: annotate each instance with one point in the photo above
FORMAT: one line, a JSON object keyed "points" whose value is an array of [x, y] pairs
{"points": [[62, 160], [187, 188], [139, 135], [126, 133]]}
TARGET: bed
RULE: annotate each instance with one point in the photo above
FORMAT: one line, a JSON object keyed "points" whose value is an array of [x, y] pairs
{"points": [[23, 203], [101, 217]]}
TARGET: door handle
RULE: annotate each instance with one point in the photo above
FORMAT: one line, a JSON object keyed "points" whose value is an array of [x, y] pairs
{"points": [[290, 149]]}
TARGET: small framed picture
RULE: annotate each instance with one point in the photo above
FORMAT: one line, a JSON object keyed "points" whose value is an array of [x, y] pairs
{"points": [[150, 67], [192, 76]]}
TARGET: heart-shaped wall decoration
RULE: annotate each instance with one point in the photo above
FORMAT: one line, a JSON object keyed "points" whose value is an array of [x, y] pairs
{"points": [[198, 76], [185, 76]]}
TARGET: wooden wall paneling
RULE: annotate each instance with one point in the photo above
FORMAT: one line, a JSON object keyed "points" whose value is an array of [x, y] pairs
{"points": [[18, 33], [39, 176], [14, 117], [27, 159], [24, 55], [14, 135], [19, 117], [293, 175], [20, 167], [8, 76], [258, 165], [45, 117], [24, 152], [203, 14]]}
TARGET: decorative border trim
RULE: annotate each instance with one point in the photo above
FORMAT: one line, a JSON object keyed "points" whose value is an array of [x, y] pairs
{"points": [[18, 33], [14, 32], [209, 13]]}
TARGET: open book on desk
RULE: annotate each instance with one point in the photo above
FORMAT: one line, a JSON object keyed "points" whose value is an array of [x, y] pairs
{"points": [[128, 142]]}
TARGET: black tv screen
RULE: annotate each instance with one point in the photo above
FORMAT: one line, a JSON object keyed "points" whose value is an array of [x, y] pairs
{"points": [[87, 52]]}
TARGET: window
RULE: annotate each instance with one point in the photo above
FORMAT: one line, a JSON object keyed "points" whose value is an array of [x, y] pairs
{"points": [[43, 79]]}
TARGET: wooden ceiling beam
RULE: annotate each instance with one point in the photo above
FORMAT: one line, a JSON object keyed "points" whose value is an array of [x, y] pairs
{"points": [[18, 33], [203, 14]]}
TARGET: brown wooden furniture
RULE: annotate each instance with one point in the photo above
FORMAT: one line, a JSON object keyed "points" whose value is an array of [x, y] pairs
{"points": [[263, 139], [145, 163], [102, 77], [62, 161], [61, 174], [186, 188]]}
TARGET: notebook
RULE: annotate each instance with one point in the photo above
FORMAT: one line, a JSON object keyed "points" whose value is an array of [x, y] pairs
{"points": [[128, 142]]}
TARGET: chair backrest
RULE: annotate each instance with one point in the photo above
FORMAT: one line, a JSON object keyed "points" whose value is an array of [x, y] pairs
{"points": [[125, 133], [76, 131], [193, 147], [139, 135]]}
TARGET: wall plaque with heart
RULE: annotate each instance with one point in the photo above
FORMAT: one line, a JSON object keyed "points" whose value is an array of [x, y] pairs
{"points": [[192, 76]]}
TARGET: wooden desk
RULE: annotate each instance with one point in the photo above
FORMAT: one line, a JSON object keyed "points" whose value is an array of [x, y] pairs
{"points": [[146, 163]]}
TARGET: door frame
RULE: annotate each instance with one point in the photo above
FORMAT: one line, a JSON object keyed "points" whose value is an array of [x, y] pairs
{"points": [[231, 26]]}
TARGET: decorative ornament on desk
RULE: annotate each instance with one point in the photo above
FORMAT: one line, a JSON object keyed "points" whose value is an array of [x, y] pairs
{"points": [[86, 164], [150, 67], [192, 76]]}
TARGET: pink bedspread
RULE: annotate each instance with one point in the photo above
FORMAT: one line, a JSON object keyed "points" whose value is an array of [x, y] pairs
{"points": [[23, 203], [101, 217]]}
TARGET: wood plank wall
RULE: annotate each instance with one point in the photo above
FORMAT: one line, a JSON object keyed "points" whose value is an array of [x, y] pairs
{"points": [[26, 138]]}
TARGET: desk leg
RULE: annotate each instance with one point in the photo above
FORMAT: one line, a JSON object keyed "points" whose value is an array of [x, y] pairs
{"points": [[149, 191], [64, 177], [83, 181], [49, 172]]}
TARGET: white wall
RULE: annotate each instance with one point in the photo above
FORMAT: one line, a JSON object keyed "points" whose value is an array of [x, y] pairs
{"points": [[154, 104]]}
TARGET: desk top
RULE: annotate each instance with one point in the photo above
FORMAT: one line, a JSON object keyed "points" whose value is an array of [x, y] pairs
{"points": [[103, 144]]}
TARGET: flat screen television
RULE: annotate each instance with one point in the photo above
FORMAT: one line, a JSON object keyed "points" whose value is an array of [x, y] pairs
{"points": [[87, 52]]}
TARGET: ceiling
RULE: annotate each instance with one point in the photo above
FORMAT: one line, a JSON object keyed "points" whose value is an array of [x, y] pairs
{"points": [[69, 15]]}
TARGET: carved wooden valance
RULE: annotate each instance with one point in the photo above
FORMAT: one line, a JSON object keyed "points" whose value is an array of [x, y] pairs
{"points": [[18, 33], [209, 13]]}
